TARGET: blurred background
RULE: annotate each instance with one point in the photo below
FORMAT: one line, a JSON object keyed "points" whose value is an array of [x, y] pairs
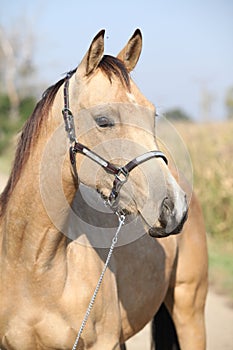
{"points": [[186, 70]]}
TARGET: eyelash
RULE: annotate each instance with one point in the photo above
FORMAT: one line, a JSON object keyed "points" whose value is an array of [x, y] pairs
{"points": [[104, 122]]}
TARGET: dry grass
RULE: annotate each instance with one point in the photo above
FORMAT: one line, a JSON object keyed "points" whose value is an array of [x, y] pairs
{"points": [[211, 150]]}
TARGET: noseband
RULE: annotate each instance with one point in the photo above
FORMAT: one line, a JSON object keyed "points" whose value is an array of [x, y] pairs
{"points": [[121, 173]]}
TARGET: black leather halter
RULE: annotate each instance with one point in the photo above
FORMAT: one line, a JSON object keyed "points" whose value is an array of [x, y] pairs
{"points": [[121, 173]]}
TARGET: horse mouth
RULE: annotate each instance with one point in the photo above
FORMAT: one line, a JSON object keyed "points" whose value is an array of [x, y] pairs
{"points": [[161, 231], [103, 196], [165, 226]]}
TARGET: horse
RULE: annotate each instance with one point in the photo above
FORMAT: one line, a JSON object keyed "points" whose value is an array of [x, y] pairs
{"points": [[87, 160]]}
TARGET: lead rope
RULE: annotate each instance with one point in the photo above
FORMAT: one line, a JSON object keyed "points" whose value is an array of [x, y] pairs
{"points": [[121, 219]]}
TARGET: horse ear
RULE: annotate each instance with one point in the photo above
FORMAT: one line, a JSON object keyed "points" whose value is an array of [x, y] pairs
{"points": [[93, 56], [131, 52]]}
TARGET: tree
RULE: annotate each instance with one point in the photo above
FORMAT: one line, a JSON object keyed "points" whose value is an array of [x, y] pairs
{"points": [[177, 114], [9, 127], [16, 77], [9, 59], [229, 103], [16, 65]]}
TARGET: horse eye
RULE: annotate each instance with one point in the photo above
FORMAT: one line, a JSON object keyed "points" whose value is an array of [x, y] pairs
{"points": [[104, 122]]}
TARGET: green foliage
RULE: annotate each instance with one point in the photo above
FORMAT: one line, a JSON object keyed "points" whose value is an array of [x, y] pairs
{"points": [[177, 114], [26, 107], [4, 104], [9, 127], [6, 128]]}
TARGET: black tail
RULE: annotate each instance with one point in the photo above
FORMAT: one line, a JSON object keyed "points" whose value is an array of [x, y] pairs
{"points": [[164, 335]]}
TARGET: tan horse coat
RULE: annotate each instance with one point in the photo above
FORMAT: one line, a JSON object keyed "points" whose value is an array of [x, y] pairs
{"points": [[47, 280]]}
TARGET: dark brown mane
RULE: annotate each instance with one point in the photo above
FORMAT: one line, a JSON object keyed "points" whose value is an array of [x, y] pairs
{"points": [[109, 65], [113, 66]]}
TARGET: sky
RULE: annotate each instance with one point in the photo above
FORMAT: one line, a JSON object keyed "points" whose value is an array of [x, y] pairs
{"points": [[187, 57]]}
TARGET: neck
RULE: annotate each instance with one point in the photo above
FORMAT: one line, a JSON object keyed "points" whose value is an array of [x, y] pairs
{"points": [[38, 207]]}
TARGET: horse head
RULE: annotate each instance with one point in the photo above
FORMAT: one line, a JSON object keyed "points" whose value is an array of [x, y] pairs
{"points": [[116, 123]]}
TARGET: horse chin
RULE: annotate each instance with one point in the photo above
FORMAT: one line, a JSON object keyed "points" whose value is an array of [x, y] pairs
{"points": [[161, 231], [158, 232]]}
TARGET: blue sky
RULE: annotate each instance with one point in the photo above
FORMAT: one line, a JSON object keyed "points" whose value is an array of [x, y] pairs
{"points": [[188, 45]]}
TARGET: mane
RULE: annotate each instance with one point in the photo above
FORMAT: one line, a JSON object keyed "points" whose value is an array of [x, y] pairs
{"points": [[109, 65], [113, 66]]}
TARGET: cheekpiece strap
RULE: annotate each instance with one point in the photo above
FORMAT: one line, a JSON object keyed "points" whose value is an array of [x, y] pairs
{"points": [[67, 114]]}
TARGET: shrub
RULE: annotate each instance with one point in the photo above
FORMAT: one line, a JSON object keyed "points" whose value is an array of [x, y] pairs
{"points": [[9, 127]]}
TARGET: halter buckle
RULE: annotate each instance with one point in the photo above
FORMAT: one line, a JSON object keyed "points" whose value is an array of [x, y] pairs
{"points": [[122, 175]]}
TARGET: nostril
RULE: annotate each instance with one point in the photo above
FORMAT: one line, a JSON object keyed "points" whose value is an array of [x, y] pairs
{"points": [[170, 221], [166, 212], [168, 206]]}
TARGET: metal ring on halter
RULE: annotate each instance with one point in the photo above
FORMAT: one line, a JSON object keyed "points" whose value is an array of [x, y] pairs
{"points": [[125, 174]]}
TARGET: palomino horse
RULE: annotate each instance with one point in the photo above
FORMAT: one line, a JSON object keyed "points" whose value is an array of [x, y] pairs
{"points": [[48, 270]]}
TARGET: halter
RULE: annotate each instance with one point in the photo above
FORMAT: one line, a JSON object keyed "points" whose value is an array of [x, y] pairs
{"points": [[121, 173], [121, 176]]}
